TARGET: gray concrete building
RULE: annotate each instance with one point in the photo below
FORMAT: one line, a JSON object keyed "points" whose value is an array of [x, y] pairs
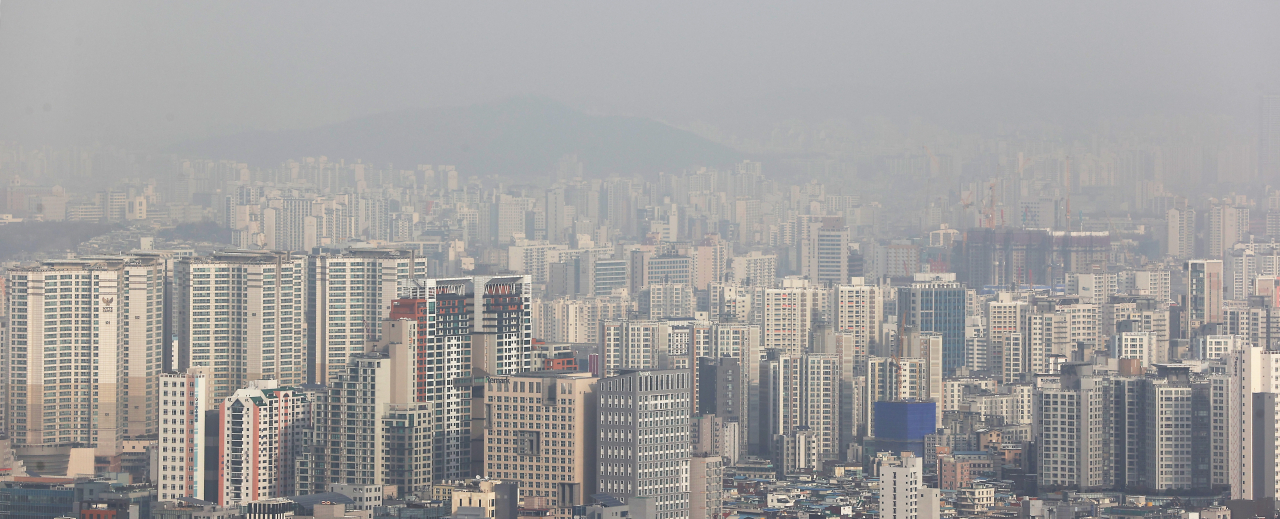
{"points": [[644, 439]]}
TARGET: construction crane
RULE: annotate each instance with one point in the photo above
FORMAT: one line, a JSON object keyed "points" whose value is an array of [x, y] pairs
{"points": [[989, 213], [933, 161]]}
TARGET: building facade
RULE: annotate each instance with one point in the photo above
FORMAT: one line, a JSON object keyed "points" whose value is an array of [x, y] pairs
{"points": [[241, 317], [90, 329], [644, 438]]}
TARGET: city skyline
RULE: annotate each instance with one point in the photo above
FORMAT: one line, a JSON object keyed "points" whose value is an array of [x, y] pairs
{"points": [[639, 261]]}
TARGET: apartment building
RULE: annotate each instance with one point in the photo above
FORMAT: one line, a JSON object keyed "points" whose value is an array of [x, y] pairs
{"points": [[260, 437], [180, 461], [241, 317], [89, 330]]}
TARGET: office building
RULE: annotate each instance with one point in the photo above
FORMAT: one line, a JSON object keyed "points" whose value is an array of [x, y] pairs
{"points": [[609, 274], [936, 303], [644, 438], [180, 460], [540, 431], [901, 426], [241, 318], [824, 250], [89, 330], [666, 265]]}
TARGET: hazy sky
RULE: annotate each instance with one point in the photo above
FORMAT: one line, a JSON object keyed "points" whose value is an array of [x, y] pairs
{"points": [[148, 73]]}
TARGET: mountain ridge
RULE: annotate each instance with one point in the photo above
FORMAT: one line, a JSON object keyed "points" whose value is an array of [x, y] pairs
{"points": [[516, 136]]}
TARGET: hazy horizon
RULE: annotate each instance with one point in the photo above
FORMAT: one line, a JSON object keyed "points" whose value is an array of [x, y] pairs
{"points": [[148, 74]]}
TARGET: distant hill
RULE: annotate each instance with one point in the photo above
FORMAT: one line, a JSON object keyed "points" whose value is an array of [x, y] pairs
{"points": [[36, 239], [520, 136]]}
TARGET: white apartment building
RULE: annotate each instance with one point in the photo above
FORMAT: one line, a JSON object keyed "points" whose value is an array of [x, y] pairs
{"points": [[802, 392], [1213, 347], [1253, 422], [858, 311], [241, 317], [1074, 425], [1008, 328], [1227, 225], [1144, 315], [670, 301], [730, 303], [395, 449], [634, 345], [467, 327], [1241, 269], [754, 269], [1094, 287], [347, 298], [1156, 284], [1181, 235], [902, 491], [179, 466], [1137, 345], [787, 314], [577, 321]]}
